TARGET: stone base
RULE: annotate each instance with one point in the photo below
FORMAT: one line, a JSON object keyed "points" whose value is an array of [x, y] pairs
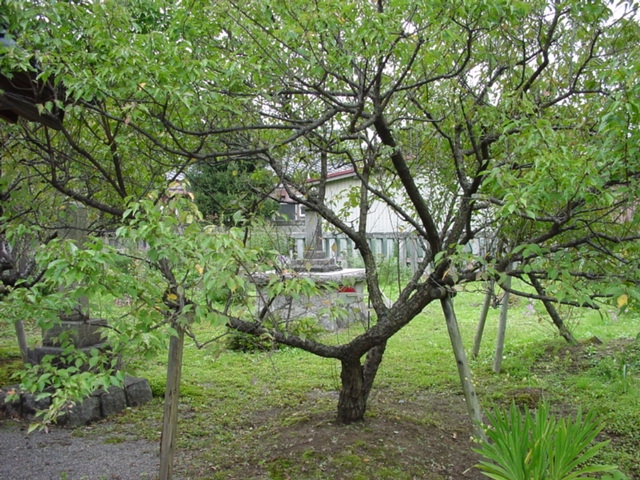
{"points": [[315, 265], [38, 353], [82, 333], [349, 296], [100, 404]]}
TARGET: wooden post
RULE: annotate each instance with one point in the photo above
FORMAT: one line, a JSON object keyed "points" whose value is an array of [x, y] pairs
{"points": [[299, 248], [483, 318], [471, 399], [22, 342], [414, 254], [502, 328], [171, 402]]}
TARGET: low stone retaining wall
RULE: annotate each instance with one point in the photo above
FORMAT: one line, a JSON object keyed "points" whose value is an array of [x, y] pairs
{"points": [[100, 404]]}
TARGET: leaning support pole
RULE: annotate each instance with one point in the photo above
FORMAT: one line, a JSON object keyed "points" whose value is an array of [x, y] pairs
{"points": [[471, 399], [553, 313], [502, 328], [171, 402], [22, 342], [483, 318]]}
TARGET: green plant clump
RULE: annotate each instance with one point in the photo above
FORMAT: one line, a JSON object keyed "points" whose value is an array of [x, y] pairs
{"points": [[540, 447]]}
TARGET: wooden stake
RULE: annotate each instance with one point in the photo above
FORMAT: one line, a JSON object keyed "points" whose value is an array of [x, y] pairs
{"points": [[471, 399], [483, 318], [171, 402], [502, 328], [22, 342]]}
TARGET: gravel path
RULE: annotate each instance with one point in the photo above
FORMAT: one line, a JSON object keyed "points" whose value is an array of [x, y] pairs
{"points": [[58, 455]]}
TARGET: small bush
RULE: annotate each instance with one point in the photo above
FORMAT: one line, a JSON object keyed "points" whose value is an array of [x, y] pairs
{"points": [[539, 447]]}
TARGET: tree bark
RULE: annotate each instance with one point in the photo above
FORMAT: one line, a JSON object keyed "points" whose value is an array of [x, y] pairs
{"points": [[351, 404], [357, 381]]}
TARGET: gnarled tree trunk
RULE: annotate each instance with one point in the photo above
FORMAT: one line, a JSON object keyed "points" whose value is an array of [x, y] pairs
{"points": [[357, 380]]}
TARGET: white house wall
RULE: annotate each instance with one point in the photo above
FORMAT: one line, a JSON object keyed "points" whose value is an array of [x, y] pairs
{"points": [[388, 234], [380, 219]]}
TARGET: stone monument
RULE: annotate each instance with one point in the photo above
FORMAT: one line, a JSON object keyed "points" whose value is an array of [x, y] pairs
{"points": [[326, 273], [315, 259], [85, 333]]}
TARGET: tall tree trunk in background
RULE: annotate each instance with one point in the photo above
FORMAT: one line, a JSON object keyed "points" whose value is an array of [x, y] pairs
{"points": [[553, 313], [357, 380]]}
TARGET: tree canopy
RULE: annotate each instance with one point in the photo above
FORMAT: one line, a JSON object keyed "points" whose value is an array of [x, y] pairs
{"points": [[512, 122]]}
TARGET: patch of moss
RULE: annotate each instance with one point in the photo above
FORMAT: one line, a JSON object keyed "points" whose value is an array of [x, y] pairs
{"points": [[278, 469], [10, 363], [115, 440]]}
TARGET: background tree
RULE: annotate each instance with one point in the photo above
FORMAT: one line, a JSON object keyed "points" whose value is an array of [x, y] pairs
{"points": [[225, 188]]}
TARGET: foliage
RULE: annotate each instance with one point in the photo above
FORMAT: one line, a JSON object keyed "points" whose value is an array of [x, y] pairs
{"points": [[173, 281], [263, 234], [134, 120], [224, 189], [538, 446], [66, 379], [469, 121]]}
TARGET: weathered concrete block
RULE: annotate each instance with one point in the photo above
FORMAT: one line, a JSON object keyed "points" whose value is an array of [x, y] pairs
{"points": [[138, 391]]}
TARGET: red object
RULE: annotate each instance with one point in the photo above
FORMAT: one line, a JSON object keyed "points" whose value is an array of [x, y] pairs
{"points": [[345, 289]]}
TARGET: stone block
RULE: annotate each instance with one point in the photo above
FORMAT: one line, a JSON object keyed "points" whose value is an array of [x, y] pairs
{"points": [[349, 296], [137, 390], [82, 333], [112, 401], [31, 406], [38, 353], [82, 413], [12, 408]]}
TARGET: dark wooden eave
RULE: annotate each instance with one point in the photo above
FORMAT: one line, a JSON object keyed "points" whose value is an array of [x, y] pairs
{"points": [[22, 92]]}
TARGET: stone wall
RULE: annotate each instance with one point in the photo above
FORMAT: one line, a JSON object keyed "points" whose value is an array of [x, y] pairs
{"points": [[101, 404]]}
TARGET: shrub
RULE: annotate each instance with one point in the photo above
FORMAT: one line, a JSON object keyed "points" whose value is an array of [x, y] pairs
{"points": [[539, 447]]}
